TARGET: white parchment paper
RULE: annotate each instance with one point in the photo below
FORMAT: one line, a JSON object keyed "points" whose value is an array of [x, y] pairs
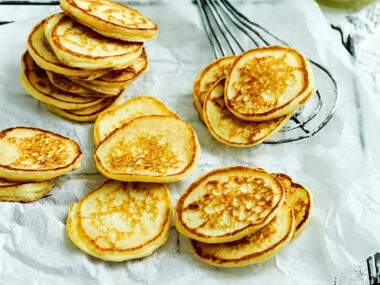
{"points": [[340, 165]]}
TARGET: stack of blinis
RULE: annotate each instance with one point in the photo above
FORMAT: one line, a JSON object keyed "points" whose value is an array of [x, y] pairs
{"points": [[31, 160], [239, 215], [79, 62], [244, 100]]}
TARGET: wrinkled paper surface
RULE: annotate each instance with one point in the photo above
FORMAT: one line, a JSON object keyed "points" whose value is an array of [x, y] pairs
{"points": [[340, 169]]}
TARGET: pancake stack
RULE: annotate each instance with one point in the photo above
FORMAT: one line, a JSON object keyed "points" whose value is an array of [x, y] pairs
{"points": [[79, 62], [140, 144], [31, 160], [239, 215], [244, 100]]}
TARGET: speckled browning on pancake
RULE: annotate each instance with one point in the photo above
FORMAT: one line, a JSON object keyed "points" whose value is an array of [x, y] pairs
{"points": [[227, 128], [30, 154], [268, 82], [152, 154], [149, 149], [227, 204], [78, 46], [40, 150], [128, 202], [300, 199], [119, 221], [262, 82], [208, 77], [44, 56], [111, 19], [257, 247]]}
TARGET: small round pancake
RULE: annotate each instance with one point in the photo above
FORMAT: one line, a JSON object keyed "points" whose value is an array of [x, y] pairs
{"points": [[208, 77], [228, 129], [257, 247], [44, 56], [227, 204], [114, 118], [268, 82], [35, 81], [86, 114], [118, 221], [30, 154], [111, 19], [118, 78], [12, 191], [300, 199], [63, 83], [78, 46], [149, 149]]}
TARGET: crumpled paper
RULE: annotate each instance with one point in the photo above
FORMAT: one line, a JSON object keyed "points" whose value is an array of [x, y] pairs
{"points": [[340, 165]]}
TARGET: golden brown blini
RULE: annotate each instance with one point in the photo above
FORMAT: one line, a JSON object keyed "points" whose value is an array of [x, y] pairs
{"points": [[111, 19], [78, 46], [149, 149], [118, 221], [228, 204], [30, 154], [268, 82], [44, 56]]}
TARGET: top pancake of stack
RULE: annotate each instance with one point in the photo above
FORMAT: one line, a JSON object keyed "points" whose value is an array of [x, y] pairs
{"points": [[94, 49], [111, 19]]}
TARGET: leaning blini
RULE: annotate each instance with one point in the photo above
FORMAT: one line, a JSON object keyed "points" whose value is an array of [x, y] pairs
{"points": [[149, 149], [114, 118]]}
